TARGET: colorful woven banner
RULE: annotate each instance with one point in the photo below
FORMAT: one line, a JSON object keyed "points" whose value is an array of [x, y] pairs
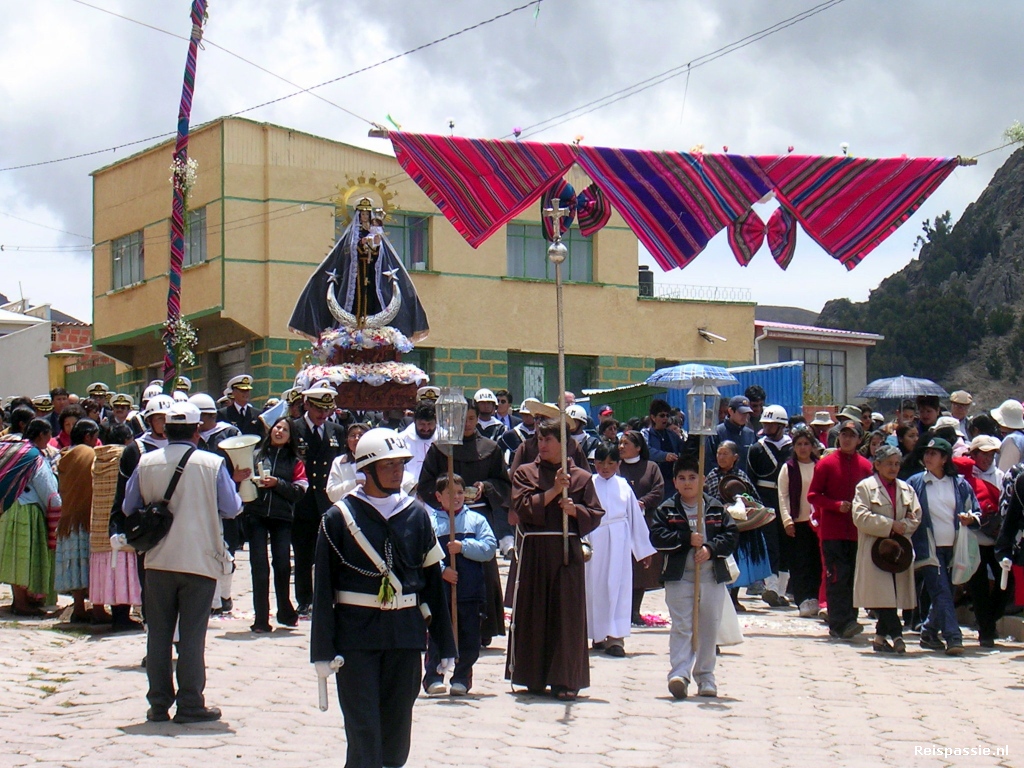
{"points": [[592, 210], [480, 184], [675, 202], [746, 236], [782, 236], [198, 15], [849, 205]]}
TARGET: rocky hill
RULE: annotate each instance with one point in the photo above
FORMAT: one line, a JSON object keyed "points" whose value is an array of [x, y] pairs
{"points": [[955, 314]]}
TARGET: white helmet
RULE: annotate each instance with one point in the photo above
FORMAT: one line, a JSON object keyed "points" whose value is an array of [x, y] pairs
{"points": [[774, 414], [179, 396], [577, 412], [152, 391], [379, 444], [203, 402], [159, 404], [485, 396]]}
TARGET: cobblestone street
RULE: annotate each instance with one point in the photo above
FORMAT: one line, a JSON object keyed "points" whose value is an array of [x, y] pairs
{"points": [[788, 696]]}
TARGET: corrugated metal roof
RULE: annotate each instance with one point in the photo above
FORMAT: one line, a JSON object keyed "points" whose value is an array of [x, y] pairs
{"points": [[784, 383], [781, 329]]}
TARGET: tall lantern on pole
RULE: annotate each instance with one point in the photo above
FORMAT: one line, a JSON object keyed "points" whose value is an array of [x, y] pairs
{"points": [[451, 410], [702, 415]]}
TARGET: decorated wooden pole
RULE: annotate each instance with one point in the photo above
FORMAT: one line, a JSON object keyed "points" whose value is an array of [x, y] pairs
{"points": [[556, 254], [182, 177]]}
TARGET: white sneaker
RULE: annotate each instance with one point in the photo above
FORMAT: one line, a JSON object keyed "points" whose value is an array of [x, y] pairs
{"points": [[809, 609], [436, 689], [707, 689], [677, 687], [458, 689]]}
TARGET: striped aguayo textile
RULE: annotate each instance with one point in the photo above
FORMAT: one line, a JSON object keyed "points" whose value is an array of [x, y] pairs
{"points": [[104, 485], [480, 184], [674, 201], [849, 205]]}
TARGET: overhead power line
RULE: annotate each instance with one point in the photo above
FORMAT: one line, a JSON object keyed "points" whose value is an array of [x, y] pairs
{"points": [[353, 73]]}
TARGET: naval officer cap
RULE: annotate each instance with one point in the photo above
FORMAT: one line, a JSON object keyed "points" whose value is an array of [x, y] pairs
{"points": [[183, 383], [98, 389], [243, 381], [428, 394], [42, 403], [321, 396], [292, 395], [123, 400]]}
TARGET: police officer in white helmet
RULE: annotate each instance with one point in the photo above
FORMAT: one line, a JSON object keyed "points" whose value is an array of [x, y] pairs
{"points": [[377, 590]]}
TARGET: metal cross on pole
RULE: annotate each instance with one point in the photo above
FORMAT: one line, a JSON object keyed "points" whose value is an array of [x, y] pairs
{"points": [[556, 254]]}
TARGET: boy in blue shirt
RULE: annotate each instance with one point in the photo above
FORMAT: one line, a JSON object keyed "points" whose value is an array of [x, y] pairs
{"points": [[473, 545]]}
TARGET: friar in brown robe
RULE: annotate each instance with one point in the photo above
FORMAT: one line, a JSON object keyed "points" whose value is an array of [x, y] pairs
{"points": [[548, 639]]}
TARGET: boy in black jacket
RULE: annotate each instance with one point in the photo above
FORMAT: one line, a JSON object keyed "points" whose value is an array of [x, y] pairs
{"points": [[673, 532]]}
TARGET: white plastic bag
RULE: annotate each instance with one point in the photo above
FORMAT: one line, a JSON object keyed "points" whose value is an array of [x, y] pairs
{"points": [[966, 555]]}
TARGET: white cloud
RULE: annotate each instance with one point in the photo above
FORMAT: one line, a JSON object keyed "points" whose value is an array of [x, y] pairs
{"points": [[916, 78]]}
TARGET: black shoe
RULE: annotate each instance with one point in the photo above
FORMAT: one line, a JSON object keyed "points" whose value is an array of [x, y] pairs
{"points": [[987, 642], [226, 604], [615, 650], [143, 662], [261, 629], [127, 626], [899, 646], [955, 648], [931, 642], [851, 630], [305, 610], [880, 645], [204, 715], [154, 715]]}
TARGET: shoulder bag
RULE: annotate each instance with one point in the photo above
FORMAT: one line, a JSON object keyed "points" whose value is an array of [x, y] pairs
{"points": [[147, 527]]}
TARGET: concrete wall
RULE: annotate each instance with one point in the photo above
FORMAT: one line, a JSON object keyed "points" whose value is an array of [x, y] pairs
{"points": [[23, 364]]}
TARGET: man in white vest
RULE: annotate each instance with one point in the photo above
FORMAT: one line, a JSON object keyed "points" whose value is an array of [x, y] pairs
{"points": [[183, 568]]}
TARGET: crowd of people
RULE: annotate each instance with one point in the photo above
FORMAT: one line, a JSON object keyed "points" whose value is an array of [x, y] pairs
{"points": [[847, 513]]}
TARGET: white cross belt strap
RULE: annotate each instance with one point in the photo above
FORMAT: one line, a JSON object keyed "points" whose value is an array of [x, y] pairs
{"points": [[370, 552], [364, 600]]}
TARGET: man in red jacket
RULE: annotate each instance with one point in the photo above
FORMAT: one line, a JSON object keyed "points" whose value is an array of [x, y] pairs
{"points": [[831, 494]]}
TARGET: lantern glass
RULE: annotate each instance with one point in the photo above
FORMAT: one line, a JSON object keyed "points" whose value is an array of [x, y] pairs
{"points": [[702, 408], [451, 410]]}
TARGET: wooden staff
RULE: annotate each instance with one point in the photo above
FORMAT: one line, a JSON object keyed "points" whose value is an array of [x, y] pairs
{"points": [[451, 537], [700, 530]]}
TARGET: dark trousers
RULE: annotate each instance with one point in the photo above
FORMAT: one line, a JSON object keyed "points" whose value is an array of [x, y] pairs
{"points": [[140, 562], [840, 562], [804, 562], [986, 596], [183, 599], [304, 533], [279, 534], [232, 534], [888, 622], [939, 584], [469, 647], [376, 690], [773, 532]]}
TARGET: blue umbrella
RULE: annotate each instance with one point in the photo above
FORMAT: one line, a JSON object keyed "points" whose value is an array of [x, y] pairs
{"points": [[901, 387], [683, 376]]}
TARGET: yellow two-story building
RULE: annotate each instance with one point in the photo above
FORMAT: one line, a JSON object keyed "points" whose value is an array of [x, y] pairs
{"points": [[264, 212]]}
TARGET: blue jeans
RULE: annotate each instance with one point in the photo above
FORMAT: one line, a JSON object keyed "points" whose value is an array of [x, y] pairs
{"points": [[942, 614]]}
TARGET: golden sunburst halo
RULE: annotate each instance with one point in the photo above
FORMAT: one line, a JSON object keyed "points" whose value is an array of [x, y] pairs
{"points": [[364, 185]]}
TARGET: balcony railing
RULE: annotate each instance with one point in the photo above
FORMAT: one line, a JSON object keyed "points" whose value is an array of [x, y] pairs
{"points": [[718, 293]]}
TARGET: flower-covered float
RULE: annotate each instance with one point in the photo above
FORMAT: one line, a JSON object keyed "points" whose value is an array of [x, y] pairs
{"points": [[359, 309]]}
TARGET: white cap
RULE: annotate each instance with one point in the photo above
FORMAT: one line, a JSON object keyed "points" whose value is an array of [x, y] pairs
{"points": [[485, 396], [179, 396], [158, 404], [152, 391], [985, 443], [203, 402], [1009, 415], [948, 421], [183, 413], [244, 381]]}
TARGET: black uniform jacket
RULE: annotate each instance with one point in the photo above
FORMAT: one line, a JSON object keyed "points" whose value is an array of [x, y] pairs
{"points": [[318, 460], [248, 421], [340, 628], [670, 534]]}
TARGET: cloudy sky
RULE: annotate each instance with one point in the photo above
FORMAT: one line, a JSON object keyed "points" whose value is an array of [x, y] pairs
{"points": [[920, 78]]}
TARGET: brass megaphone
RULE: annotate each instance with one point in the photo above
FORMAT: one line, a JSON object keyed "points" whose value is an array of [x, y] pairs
{"points": [[240, 450]]}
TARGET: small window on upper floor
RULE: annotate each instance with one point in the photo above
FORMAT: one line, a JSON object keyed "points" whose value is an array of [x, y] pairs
{"points": [[195, 237], [127, 258], [527, 254]]}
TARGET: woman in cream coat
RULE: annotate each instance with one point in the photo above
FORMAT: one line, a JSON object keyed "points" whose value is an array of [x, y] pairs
{"points": [[884, 505]]}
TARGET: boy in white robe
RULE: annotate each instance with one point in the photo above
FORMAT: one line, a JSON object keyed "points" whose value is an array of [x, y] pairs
{"points": [[609, 573]]}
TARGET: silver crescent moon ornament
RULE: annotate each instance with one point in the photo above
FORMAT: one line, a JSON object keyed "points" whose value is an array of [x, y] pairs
{"points": [[345, 318], [381, 319]]}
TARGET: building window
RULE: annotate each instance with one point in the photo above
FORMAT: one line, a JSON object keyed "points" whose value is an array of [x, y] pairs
{"points": [[128, 256], [410, 235], [824, 373], [527, 254], [195, 238], [531, 375]]}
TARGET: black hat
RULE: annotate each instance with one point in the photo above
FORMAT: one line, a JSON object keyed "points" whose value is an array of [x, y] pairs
{"points": [[893, 554]]}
